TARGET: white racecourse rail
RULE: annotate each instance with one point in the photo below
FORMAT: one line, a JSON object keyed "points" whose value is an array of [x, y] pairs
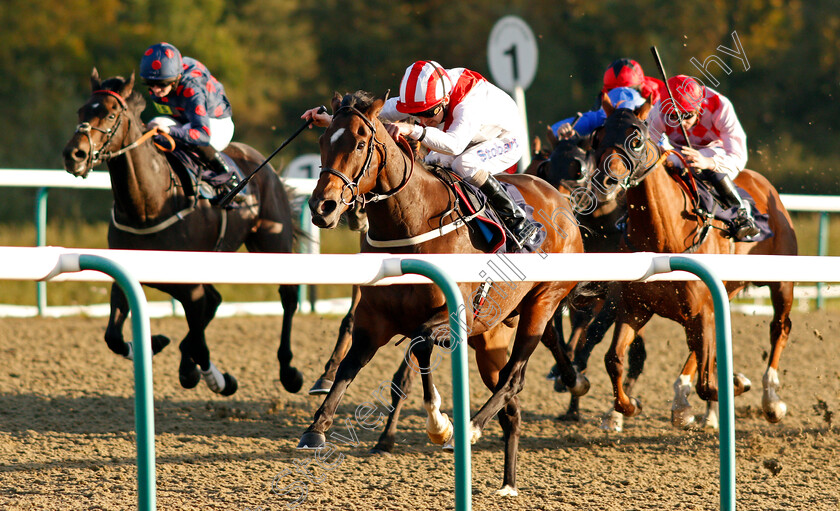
{"points": [[41, 263]]}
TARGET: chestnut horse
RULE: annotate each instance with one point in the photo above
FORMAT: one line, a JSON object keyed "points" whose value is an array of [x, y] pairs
{"points": [[661, 219], [570, 165], [152, 212], [361, 162]]}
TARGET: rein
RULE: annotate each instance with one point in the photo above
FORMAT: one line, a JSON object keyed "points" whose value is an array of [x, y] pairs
{"points": [[95, 157]]}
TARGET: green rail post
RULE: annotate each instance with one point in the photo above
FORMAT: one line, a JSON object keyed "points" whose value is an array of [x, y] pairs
{"points": [[41, 240], [143, 402], [822, 249], [723, 333], [460, 372]]}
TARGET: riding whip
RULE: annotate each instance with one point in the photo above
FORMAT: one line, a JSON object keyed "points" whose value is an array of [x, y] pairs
{"points": [[224, 201], [670, 95]]}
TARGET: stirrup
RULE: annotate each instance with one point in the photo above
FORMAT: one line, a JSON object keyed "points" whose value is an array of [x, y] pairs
{"points": [[524, 235], [745, 226]]}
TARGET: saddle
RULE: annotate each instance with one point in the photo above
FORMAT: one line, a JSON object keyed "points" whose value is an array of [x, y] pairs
{"points": [[471, 206], [198, 180], [708, 204]]}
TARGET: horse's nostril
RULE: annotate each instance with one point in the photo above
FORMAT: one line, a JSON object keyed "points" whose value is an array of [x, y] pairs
{"points": [[328, 206], [79, 155]]}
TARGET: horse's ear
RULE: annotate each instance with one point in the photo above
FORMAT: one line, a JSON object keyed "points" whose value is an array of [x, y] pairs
{"points": [[336, 102], [95, 82], [536, 147], [644, 110], [607, 105], [128, 87], [376, 107]]}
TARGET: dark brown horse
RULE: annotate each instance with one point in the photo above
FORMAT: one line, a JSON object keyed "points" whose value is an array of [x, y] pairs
{"points": [[570, 165], [152, 212], [661, 219], [360, 161]]}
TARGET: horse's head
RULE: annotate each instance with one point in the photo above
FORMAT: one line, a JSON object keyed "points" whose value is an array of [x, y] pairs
{"points": [[623, 151], [103, 123], [571, 162], [352, 155]]}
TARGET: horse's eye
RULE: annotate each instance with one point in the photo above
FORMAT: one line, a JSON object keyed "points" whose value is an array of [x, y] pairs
{"points": [[360, 145], [112, 117]]}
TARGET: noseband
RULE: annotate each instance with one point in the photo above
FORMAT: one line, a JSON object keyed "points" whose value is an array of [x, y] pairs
{"points": [[634, 150], [353, 185]]}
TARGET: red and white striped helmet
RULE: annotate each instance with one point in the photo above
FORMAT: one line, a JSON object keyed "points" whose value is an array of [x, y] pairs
{"points": [[424, 86]]}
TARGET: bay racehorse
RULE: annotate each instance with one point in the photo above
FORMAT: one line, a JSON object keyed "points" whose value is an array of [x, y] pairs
{"points": [[570, 165], [661, 218], [403, 199], [152, 212]]}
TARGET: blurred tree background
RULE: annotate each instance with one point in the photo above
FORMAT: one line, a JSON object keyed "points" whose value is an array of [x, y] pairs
{"points": [[279, 57]]}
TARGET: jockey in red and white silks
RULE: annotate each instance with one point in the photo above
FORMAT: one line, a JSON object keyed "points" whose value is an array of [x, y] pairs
{"points": [[481, 133], [717, 134]]}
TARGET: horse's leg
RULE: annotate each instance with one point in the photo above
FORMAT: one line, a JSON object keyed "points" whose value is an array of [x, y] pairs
{"points": [[290, 377], [700, 335], [200, 303], [402, 380], [369, 334], [511, 420], [554, 372], [113, 332], [626, 326], [781, 294], [567, 375], [536, 311], [681, 414], [324, 382], [438, 425]]}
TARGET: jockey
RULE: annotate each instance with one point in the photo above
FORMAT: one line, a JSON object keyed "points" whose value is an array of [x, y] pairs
{"points": [[621, 73], [468, 124], [621, 97], [192, 103], [718, 142]]}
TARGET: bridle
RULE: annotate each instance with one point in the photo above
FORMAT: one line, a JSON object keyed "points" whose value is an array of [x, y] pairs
{"points": [[373, 143], [639, 157], [95, 156]]}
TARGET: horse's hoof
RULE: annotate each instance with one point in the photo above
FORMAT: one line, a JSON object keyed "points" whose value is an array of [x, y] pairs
{"points": [[581, 387], [507, 491], [775, 412], [475, 433], [559, 386], [292, 379], [189, 375], [312, 440], [444, 435], [742, 381], [637, 407], [158, 343], [231, 385], [321, 386], [682, 418], [613, 421], [449, 446], [553, 373], [379, 451]]}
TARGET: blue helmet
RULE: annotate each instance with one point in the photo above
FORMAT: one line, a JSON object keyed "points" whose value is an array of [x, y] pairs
{"points": [[161, 62]]}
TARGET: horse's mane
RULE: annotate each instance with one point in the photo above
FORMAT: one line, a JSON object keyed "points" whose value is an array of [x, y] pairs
{"points": [[135, 100], [361, 100]]}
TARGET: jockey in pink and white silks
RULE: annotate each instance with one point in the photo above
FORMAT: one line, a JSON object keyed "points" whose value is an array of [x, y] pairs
{"points": [[718, 142], [469, 125]]}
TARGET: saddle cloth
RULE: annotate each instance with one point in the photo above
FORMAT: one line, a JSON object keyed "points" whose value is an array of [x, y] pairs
{"points": [[708, 202], [488, 223], [199, 180]]}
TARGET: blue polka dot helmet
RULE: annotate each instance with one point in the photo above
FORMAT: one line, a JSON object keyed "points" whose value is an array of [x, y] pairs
{"points": [[161, 62]]}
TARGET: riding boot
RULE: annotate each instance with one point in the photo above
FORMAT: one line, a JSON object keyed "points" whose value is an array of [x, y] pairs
{"points": [[216, 162], [522, 231], [744, 223]]}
